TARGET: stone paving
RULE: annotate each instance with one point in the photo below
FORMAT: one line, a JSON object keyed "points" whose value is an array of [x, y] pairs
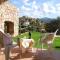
{"points": [[38, 54]]}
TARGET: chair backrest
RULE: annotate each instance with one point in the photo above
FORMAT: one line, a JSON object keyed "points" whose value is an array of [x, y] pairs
{"points": [[49, 37]]}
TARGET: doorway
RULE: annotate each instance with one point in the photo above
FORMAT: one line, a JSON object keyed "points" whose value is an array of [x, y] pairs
{"points": [[9, 27]]}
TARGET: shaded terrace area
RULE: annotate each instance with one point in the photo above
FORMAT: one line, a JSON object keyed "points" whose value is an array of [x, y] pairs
{"points": [[36, 54]]}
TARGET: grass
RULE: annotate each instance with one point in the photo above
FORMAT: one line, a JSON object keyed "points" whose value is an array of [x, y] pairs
{"points": [[36, 36], [56, 43]]}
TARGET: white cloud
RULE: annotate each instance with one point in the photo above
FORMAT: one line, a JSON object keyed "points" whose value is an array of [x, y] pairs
{"points": [[58, 8], [34, 2], [35, 10], [26, 2], [35, 14], [45, 8], [52, 9], [25, 9], [32, 11], [34, 5], [49, 8]]}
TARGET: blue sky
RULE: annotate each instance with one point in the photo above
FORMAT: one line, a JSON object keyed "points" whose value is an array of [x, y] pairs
{"points": [[38, 8]]}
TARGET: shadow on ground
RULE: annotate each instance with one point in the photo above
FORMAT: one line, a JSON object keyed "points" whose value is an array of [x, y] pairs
{"points": [[20, 55], [38, 55]]}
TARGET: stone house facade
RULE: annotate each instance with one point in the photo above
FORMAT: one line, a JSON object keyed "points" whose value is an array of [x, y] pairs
{"points": [[9, 18]]}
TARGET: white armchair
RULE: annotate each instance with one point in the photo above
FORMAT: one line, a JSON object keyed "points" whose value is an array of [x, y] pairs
{"points": [[48, 39]]}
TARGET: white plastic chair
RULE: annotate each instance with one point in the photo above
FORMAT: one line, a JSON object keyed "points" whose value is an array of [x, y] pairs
{"points": [[48, 39]]}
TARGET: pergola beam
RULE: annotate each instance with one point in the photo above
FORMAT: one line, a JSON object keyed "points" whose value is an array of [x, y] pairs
{"points": [[1, 1]]}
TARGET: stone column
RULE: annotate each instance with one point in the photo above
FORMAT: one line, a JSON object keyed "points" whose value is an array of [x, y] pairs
{"points": [[16, 27]]}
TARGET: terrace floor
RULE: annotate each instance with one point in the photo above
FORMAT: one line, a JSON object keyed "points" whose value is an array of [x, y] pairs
{"points": [[36, 54]]}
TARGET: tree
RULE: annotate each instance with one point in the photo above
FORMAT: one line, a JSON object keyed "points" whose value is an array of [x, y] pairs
{"points": [[34, 23], [53, 25]]}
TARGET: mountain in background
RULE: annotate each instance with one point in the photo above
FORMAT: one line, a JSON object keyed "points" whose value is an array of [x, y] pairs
{"points": [[46, 20]]}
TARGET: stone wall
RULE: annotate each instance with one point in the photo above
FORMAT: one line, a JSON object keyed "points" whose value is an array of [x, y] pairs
{"points": [[9, 12]]}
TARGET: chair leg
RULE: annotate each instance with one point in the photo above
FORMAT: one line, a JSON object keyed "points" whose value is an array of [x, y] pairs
{"points": [[42, 46]]}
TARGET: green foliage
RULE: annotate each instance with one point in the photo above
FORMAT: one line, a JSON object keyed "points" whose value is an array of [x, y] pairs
{"points": [[52, 26], [37, 37], [33, 26], [56, 42]]}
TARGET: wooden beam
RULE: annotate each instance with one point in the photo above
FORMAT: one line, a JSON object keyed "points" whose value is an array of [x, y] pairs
{"points": [[1, 1]]}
